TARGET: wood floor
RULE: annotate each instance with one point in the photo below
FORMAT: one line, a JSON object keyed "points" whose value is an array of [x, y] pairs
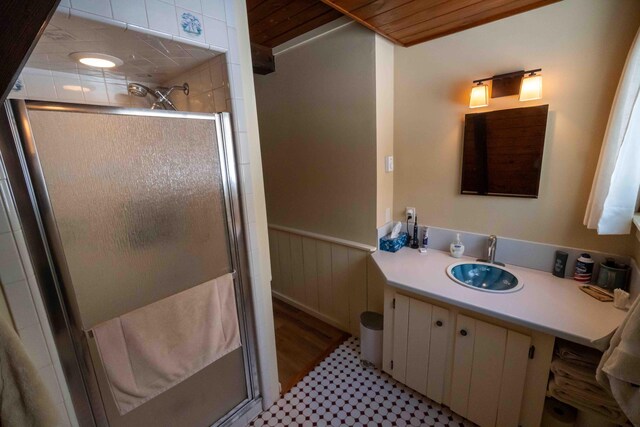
{"points": [[302, 341]]}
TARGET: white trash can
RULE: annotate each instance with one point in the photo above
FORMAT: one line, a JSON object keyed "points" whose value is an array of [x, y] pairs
{"points": [[371, 339]]}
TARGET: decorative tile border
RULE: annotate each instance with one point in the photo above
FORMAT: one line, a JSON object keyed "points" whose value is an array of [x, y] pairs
{"points": [[190, 24]]}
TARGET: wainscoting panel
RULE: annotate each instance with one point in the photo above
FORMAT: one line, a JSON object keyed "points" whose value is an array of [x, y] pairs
{"points": [[310, 260], [327, 279], [357, 286], [340, 284]]}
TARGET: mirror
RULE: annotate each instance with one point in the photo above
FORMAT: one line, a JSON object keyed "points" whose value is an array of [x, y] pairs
{"points": [[502, 152]]}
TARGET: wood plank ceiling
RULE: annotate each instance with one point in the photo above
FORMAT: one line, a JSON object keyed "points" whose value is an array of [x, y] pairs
{"points": [[273, 22], [405, 22], [409, 22]]}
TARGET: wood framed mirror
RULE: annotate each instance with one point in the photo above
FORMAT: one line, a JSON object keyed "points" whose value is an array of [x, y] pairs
{"points": [[502, 152]]}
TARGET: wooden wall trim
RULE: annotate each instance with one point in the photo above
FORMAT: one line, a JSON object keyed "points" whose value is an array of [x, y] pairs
{"points": [[337, 241]]}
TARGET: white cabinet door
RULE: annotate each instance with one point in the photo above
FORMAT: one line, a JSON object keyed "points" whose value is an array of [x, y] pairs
{"points": [[421, 334], [441, 330], [516, 358], [486, 373], [489, 369], [418, 345], [462, 364], [400, 337]]}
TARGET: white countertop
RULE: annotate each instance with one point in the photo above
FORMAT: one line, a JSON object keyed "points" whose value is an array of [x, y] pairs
{"points": [[546, 303]]}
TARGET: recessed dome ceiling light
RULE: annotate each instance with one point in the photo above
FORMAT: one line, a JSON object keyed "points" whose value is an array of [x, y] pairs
{"points": [[76, 88], [98, 60]]}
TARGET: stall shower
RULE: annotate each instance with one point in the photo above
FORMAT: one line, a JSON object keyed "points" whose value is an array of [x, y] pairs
{"points": [[132, 219]]}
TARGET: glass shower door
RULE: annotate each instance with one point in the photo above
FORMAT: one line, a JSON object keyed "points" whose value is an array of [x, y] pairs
{"points": [[136, 208]]}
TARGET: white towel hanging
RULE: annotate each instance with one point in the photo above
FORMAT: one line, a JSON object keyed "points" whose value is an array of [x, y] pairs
{"points": [[151, 349]]}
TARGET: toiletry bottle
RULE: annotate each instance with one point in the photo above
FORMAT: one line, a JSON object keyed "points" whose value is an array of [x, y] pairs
{"points": [[456, 248], [425, 238], [414, 239], [560, 264]]}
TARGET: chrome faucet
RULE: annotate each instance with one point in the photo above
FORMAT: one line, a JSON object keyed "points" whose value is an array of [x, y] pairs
{"points": [[492, 245]]}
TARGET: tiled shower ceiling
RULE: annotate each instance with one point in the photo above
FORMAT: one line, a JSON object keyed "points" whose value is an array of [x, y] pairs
{"points": [[146, 58]]}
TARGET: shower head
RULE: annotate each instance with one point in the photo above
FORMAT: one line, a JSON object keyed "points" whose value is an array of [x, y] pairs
{"points": [[138, 89], [161, 94]]}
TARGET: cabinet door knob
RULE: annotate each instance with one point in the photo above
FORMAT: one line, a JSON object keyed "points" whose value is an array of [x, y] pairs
{"points": [[463, 332], [439, 323]]}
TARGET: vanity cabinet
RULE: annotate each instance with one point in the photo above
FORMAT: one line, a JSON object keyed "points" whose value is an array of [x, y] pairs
{"points": [[481, 369], [489, 371], [420, 341]]}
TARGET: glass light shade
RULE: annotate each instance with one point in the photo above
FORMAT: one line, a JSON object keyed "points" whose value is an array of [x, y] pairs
{"points": [[479, 96], [531, 88], [76, 88], [97, 60]]}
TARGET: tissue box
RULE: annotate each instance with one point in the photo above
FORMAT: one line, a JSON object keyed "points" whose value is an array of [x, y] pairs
{"points": [[393, 245]]}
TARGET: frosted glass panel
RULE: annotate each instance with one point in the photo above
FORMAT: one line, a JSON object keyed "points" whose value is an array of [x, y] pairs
{"points": [[139, 206]]}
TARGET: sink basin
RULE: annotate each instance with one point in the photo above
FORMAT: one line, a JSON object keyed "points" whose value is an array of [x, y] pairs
{"points": [[484, 277]]}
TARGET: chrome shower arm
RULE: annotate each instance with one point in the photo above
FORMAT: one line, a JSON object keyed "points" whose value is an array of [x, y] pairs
{"points": [[160, 93]]}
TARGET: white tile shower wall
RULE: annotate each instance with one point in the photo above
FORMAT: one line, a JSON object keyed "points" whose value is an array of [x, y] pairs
{"points": [[208, 88], [45, 85], [51, 75], [120, 13], [25, 304], [180, 18]]}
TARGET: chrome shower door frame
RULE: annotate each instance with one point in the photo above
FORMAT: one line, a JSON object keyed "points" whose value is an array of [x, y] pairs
{"points": [[45, 248]]}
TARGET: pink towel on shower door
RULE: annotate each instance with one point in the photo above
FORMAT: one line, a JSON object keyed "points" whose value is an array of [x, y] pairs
{"points": [[153, 348]]}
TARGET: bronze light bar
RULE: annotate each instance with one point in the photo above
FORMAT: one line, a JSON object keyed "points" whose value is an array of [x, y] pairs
{"points": [[507, 84]]}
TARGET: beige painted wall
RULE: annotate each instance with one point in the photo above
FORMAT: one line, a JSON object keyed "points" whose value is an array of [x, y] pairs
{"points": [[581, 46], [318, 136], [384, 128]]}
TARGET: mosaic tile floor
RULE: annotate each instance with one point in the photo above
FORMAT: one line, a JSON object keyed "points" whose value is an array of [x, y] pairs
{"points": [[339, 392]]}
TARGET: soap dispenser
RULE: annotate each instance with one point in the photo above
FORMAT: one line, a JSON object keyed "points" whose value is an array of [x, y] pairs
{"points": [[456, 248]]}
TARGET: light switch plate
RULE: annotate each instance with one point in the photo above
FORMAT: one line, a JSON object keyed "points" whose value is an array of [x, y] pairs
{"points": [[388, 164]]}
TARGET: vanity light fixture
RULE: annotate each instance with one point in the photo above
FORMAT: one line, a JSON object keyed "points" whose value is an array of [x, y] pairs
{"points": [[531, 87], [527, 84], [479, 96], [97, 60]]}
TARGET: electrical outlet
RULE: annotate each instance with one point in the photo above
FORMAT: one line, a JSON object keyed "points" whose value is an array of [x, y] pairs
{"points": [[410, 213]]}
